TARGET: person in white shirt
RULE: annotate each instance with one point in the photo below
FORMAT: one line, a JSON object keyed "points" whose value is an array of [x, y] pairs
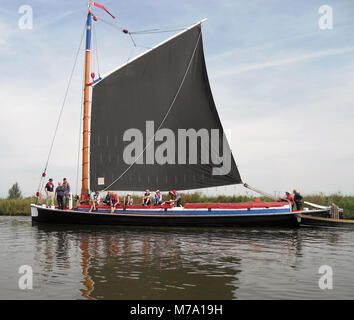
{"points": [[95, 200]]}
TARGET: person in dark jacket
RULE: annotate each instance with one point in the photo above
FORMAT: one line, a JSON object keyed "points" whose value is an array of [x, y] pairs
{"points": [[128, 200], [146, 198], [66, 187], [107, 200], [60, 191], [49, 190], [297, 200]]}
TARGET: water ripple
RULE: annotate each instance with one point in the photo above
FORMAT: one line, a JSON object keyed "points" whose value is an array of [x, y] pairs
{"points": [[78, 262]]}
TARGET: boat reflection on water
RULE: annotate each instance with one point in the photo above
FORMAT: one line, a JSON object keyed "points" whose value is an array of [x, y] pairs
{"points": [[157, 263]]}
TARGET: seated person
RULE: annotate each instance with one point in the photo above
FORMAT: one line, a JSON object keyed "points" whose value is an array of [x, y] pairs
{"points": [[175, 197], [146, 198], [107, 200], [128, 200], [95, 200], [114, 202], [85, 197], [158, 198]]}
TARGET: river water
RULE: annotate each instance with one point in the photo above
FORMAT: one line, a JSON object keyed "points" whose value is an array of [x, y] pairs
{"points": [[88, 262]]}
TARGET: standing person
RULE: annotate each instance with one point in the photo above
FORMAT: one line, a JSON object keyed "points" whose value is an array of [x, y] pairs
{"points": [[60, 191], [146, 198], [66, 186], [158, 198], [298, 199], [49, 191]]}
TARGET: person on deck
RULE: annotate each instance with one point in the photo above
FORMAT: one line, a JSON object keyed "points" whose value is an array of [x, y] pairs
{"points": [[85, 198], [288, 197], [128, 200], [114, 202], [60, 191], [66, 186], [49, 191], [95, 201], [298, 200], [157, 198], [146, 198], [176, 198], [107, 200]]}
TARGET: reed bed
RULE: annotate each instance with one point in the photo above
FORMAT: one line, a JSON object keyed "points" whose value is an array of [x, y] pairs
{"points": [[16, 207]]}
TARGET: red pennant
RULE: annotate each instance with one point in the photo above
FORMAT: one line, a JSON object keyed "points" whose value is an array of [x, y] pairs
{"points": [[102, 7]]}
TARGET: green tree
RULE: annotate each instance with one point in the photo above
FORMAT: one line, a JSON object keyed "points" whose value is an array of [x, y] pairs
{"points": [[15, 192]]}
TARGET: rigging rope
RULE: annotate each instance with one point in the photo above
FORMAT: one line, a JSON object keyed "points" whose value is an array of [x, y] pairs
{"points": [[164, 118], [142, 32], [157, 31], [96, 49], [80, 133], [60, 114]]}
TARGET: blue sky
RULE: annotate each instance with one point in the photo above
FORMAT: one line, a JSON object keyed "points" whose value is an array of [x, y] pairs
{"points": [[282, 86]]}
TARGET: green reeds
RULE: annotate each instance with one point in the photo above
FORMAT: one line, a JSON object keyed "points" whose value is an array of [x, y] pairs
{"points": [[16, 207]]}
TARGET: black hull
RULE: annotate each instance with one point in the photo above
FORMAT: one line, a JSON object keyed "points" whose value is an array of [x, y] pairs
{"points": [[45, 215]]}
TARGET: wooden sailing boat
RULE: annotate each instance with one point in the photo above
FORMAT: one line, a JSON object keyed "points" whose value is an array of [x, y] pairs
{"points": [[140, 113]]}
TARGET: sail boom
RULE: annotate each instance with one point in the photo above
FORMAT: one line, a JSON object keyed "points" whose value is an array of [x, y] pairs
{"points": [[148, 51]]}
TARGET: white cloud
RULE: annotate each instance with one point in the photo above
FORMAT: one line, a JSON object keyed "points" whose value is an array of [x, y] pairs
{"points": [[281, 62]]}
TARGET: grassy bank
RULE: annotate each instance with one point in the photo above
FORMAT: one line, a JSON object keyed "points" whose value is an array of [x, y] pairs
{"points": [[22, 206], [16, 207]]}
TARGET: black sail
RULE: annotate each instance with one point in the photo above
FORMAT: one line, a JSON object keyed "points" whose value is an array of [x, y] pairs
{"points": [[159, 106]]}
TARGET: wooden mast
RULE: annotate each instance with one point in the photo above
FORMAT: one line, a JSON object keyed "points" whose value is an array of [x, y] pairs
{"points": [[85, 148]]}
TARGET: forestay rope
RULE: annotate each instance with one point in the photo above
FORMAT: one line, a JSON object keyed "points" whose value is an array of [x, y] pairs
{"points": [[41, 182]]}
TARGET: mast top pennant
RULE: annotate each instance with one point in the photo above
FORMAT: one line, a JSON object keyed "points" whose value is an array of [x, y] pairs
{"points": [[101, 7]]}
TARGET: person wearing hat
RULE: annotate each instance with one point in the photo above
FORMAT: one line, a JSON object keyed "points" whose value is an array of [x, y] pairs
{"points": [[49, 191], [128, 200], [158, 198]]}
